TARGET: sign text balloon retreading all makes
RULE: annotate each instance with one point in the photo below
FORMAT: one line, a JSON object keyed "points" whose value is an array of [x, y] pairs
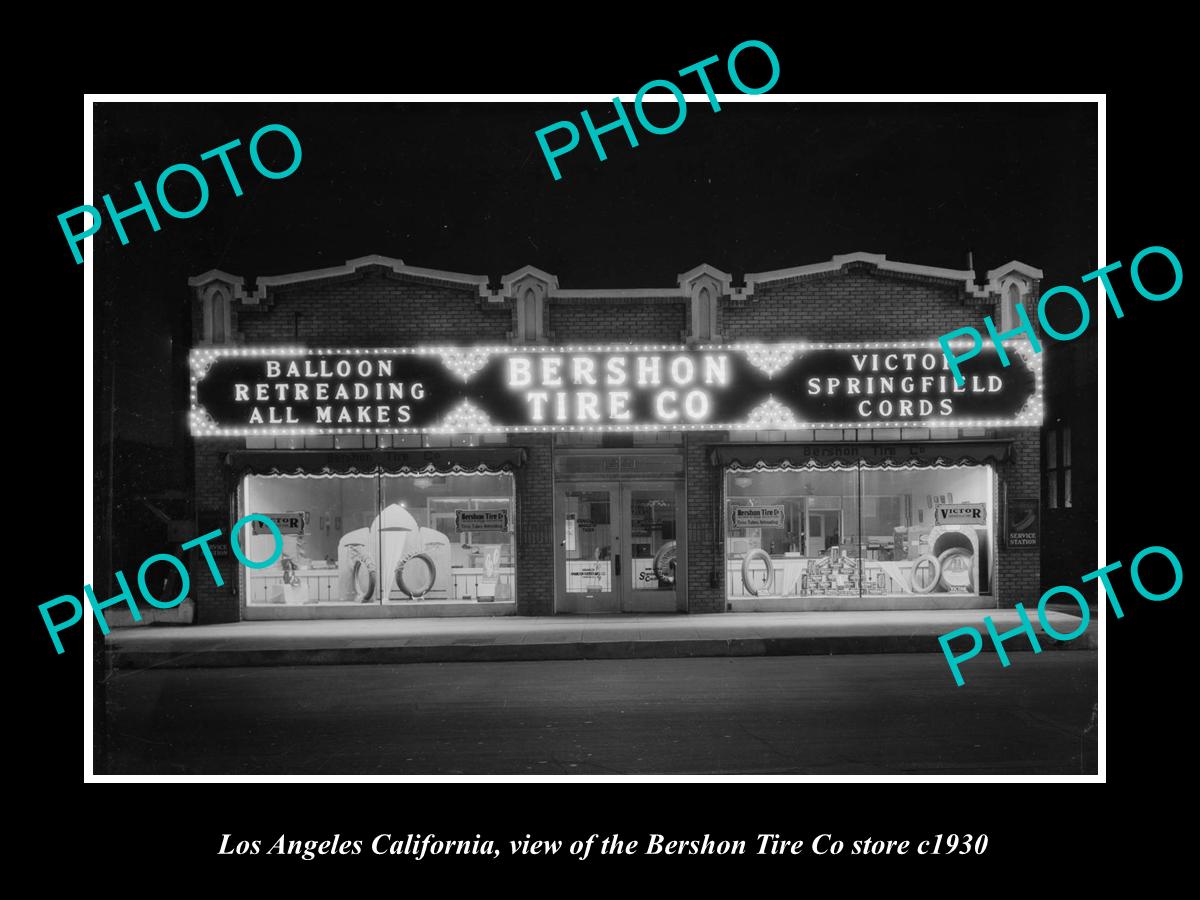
{"points": [[247, 391]]}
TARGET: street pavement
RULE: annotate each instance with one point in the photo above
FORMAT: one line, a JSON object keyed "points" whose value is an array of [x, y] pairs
{"points": [[851, 714]]}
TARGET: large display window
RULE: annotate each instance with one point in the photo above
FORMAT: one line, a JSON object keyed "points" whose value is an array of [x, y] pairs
{"points": [[858, 531], [382, 539]]}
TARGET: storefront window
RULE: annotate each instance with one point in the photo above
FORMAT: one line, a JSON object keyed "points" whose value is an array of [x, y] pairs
{"points": [[858, 532], [368, 539], [791, 532], [327, 556], [935, 537], [448, 537]]}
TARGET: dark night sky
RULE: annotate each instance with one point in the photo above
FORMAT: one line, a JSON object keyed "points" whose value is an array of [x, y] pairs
{"points": [[464, 187]]}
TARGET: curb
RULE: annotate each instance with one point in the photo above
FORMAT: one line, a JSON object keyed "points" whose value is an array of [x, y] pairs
{"points": [[832, 645]]}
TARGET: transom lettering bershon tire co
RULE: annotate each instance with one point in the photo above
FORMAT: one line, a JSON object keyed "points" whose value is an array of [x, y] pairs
{"points": [[401, 574], [664, 563], [919, 584], [746, 580]]}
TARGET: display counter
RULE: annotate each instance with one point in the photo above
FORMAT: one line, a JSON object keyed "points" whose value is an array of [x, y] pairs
{"points": [[307, 586], [476, 583], [310, 586], [851, 577]]}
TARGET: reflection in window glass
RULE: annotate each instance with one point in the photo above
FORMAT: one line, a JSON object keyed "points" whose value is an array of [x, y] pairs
{"points": [[894, 532], [366, 539]]}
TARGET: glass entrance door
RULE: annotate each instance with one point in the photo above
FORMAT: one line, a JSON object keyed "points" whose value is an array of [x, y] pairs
{"points": [[589, 548], [651, 511], [618, 547]]}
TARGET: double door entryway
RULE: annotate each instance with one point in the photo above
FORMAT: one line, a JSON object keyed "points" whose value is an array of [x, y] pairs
{"points": [[620, 546]]}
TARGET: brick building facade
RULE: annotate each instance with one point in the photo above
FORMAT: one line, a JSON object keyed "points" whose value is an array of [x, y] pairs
{"points": [[562, 531]]}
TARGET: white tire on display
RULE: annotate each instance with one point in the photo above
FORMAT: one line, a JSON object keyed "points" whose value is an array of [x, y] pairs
{"points": [[955, 553], [664, 563], [934, 579], [363, 578], [402, 581], [746, 580]]}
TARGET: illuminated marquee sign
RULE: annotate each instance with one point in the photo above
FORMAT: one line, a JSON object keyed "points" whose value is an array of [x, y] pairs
{"points": [[295, 390]]}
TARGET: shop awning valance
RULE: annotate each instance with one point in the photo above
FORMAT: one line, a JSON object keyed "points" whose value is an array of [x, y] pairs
{"points": [[439, 460], [833, 455]]}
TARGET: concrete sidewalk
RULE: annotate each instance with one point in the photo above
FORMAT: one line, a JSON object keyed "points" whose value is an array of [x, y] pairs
{"points": [[337, 642]]}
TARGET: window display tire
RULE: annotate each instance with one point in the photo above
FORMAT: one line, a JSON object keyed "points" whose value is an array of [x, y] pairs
{"points": [[664, 563], [954, 553], [361, 595], [937, 574], [401, 581], [746, 580]]}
